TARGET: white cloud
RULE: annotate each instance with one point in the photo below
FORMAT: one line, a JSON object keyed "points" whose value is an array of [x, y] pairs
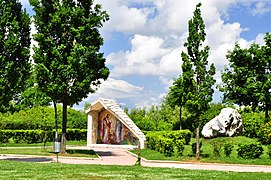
{"points": [[160, 54], [148, 56], [122, 18], [221, 38], [113, 89], [261, 7]]}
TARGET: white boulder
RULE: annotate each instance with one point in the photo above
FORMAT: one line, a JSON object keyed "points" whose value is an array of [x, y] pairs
{"points": [[227, 123]]}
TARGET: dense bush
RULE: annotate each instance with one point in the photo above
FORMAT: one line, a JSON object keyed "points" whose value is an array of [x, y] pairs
{"points": [[41, 118], [166, 141], [179, 144], [250, 151], [228, 147], [37, 136], [167, 146], [217, 146], [252, 122], [158, 118], [265, 133]]}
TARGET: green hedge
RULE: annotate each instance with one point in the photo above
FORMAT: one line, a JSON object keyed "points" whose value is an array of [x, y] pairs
{"points": [[250, 151], [37, 136], [168, 141]]}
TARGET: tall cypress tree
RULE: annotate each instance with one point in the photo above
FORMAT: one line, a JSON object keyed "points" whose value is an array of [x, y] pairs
{"points": [[197, 81], [69, 64], [14, 51]]}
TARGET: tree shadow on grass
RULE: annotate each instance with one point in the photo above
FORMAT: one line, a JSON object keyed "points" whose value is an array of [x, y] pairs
{"points": [[31, 159], [104, 153], [201, 155], [81, 151]]}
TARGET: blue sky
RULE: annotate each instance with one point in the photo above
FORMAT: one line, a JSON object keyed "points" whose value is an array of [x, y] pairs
{"points": [[143, 41]]}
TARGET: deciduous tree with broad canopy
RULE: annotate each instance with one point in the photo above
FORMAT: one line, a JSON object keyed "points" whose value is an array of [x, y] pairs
{"points": [[247, 80], [15, 65], [194, 87], [69, 64]]}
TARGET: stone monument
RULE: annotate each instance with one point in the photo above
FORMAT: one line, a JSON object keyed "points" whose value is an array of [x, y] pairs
{"points": [[227, 123]]}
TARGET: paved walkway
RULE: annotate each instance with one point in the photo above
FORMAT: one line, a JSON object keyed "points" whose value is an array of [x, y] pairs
{"points": [[120, 156]]}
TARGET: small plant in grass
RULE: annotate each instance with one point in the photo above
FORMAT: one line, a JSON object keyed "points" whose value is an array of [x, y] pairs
{"points": [[250, 151], [217, 147], [228, 147]]}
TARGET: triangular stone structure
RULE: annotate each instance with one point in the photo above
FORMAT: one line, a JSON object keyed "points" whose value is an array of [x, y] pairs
{"points": [[109, 124]]}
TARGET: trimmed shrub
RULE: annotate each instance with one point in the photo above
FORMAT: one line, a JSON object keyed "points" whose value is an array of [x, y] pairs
{"points": [[228, 147], [166, 141], [250, 151]]}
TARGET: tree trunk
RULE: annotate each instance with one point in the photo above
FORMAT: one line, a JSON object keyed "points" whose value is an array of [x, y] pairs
{"points": [[64, 128], [56, 123], [197, 138], [180, 117]]}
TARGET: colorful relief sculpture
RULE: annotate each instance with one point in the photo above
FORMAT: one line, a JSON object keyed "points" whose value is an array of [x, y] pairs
{"points": [[109, 124], [112, 131]]}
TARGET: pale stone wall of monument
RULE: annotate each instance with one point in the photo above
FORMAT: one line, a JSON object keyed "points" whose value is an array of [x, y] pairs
{"points": [[94, 127]]}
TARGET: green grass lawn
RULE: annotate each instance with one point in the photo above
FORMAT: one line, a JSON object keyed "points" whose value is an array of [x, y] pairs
{"points": [[26, 170], [39, 149], [69, 143], [48, 152], [207, 152]]}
